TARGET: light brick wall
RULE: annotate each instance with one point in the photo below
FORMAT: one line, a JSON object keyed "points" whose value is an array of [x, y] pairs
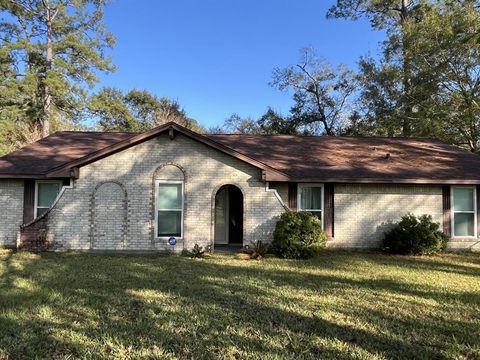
{"points": [[206, 170], [109, 217], [364, 212], [11, 214]]}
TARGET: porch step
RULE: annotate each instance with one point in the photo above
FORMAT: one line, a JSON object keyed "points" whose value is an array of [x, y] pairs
{"points": [[227, 248]]}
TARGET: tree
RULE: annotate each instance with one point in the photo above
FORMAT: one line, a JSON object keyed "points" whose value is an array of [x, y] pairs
{"points": [[270, 123], [447, 55], [382, 14], [52, 49], [235, 124], [137, 111], [321, 94], [381, 98], [322, 101], [394, 16], [112, 111], [273, 123]]}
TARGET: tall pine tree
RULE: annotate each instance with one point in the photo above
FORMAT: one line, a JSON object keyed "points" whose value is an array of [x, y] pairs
{"points": [[51, 51], [391, 98]]}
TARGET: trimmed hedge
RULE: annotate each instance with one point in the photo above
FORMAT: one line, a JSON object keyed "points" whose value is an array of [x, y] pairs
{"points": [[298, 235], [415, 236]]}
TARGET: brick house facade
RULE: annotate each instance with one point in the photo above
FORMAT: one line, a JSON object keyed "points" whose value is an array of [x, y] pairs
{"points": [[112, 196]]}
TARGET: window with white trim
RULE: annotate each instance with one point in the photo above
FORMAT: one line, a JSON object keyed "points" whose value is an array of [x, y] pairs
{"points": [[169, 209], [46, 192], [310, 198], [464, 211]]}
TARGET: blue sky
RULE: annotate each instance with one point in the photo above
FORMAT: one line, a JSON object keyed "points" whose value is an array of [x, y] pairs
{"points": [[216, 56]]}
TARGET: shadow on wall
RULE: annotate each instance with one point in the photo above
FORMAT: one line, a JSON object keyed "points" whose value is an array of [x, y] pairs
{"points": [[57, 228], [264, 231], [380, 232]]}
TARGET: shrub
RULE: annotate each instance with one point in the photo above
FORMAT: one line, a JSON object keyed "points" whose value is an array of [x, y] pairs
{"points": [[197, 252], [257, 250], [298, 235], [415, 236]]}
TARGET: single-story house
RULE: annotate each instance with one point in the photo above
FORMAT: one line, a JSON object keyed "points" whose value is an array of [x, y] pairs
{"points": [[131, 191]]}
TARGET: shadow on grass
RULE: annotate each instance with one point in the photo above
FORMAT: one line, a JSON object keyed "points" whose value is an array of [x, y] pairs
{"points": [[464, 263], [91, 305]]}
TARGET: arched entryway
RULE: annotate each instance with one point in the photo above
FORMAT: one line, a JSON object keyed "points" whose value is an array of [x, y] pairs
{"points": [[228, 227]]}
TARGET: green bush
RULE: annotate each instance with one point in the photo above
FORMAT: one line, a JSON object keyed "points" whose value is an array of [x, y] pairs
{"points": [[298, 235], [415, 236]]}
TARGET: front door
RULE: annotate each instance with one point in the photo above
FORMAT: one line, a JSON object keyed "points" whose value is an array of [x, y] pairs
{"points": [[229, 215], [221, 216]]}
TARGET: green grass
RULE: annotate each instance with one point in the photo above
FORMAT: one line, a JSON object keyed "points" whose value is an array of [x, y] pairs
{"points": [[341, 305]]}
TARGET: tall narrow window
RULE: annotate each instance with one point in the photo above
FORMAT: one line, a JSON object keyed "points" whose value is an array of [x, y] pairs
{"points": [[310, 198], [464, 211], [169, 208], [46, 191]]}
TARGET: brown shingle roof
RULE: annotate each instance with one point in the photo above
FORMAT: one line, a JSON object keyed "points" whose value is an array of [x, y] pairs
{"points": [[337, 159], [358, 159], [56, 150]]}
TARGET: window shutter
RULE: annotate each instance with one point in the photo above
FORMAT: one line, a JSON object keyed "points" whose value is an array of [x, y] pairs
{"points": [[292, 196], [28, 200], [329, 210], [478, 209], [447, 219]]}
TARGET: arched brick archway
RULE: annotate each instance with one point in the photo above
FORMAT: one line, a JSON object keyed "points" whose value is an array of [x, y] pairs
{"points": [[108, 216]]}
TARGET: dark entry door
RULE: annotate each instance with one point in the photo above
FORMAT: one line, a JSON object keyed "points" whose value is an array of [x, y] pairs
{"points": [[229, 215]]}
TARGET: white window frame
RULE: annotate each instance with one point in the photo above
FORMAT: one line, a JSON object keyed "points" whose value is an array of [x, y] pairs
{"points": [[157, 183], [299, 198], [35, 200], [452, 220]]}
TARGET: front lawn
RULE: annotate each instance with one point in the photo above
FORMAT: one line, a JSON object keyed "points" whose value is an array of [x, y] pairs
{"points": [[341, 305]]}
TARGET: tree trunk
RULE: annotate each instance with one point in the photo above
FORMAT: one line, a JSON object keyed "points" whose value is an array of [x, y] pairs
{"points": [[407, 74], [47, 97]]}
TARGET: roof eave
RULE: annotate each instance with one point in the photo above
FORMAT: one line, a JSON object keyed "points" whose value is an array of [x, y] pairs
{"points": [[23, 176], [424, 181]]}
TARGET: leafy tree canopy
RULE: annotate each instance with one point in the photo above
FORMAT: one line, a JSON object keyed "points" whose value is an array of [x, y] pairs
{"points": [[137, 111]]}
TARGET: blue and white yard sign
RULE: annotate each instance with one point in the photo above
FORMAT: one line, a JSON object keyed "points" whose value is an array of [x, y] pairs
{"points": [[172, 241]]}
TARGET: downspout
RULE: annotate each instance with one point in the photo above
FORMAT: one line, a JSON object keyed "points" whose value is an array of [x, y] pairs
{"points": [[277, 195]]}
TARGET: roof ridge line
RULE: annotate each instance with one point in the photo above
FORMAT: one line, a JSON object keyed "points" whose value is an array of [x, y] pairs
{"points": [[334, 137], [94, 132]]}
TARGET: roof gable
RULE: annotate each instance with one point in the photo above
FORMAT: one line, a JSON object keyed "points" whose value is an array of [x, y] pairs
{"points": [[59, 155]]}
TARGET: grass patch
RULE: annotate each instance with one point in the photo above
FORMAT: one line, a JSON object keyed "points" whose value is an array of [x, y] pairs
{"points": [[340, 305]]}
